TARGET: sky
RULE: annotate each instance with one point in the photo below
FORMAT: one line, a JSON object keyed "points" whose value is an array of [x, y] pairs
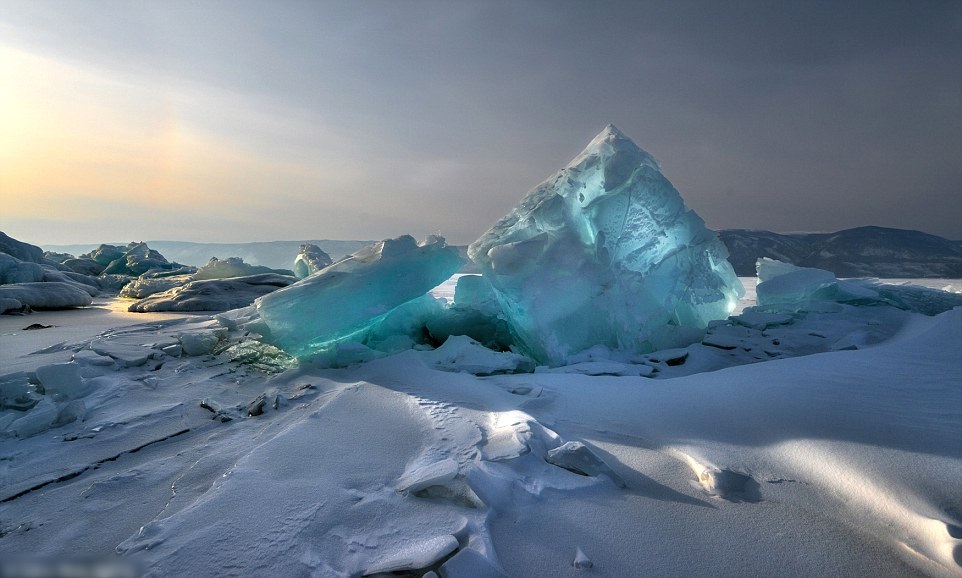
{"points": [[243, 121]]}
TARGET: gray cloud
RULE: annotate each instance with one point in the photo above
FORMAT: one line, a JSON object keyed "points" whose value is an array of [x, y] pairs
{"points": [[785, 116]]}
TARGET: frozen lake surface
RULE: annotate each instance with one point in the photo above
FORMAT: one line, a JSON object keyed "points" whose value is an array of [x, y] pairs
{"points": [[830, 442]]}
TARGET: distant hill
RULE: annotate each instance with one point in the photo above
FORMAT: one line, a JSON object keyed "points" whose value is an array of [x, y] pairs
{"points": [[859, 252], [273, 254]]}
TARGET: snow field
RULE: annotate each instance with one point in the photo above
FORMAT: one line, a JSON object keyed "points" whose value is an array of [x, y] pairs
{"points": [[207, 465]]}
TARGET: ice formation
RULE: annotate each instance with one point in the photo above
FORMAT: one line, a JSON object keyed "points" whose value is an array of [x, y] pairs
{"points": [[475, 313], [211, 294], [134, 259], [230, 267], [36, 283], [310, 260], [606, 253], [54, 295], [785, 287], [349, 299]]}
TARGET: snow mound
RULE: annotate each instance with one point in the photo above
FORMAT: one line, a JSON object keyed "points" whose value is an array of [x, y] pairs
{"points": [[461, 353]]}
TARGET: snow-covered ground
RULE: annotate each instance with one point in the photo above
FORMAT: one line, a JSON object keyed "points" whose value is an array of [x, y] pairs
{"points": [[840, 454]]}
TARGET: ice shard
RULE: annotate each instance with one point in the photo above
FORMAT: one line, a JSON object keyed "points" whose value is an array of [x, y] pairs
{"points": [[605, 252], [346, 301]]}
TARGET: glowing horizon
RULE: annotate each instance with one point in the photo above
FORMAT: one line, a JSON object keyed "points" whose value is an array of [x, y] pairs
{"points": [[213, 124]]}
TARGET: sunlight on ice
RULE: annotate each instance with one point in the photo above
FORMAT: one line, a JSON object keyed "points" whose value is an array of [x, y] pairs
{"points": [[606, 253], [346, 300]]}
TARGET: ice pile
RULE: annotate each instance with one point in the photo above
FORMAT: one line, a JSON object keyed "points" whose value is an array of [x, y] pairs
{"points": [[207, 294], [605, 252], [785, 287], [29, 281], [348, 301], [135, 259], [231, 267]]}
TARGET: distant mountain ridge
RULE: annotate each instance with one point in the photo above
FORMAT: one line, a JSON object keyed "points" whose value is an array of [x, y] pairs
{"points": [[273, 254], [859, 252]]}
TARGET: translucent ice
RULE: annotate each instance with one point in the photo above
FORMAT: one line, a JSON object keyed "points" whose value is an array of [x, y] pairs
{"points": [[785, 287], [606, 253], [310, 260], [475, 313], [347, 300]]}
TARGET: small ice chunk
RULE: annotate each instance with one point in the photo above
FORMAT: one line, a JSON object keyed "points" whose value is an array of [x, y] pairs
{"points": [[173, 350], [783, 283], [125, 354], [90, 357], [434, 474], [16, 392], [71, 412], [461, 353], [62, 380], [9, 304], [37, 420], [581, 561], [415, 555], [470, 563], [507, 436], [578, 458], [723, 483], [201, 342]]}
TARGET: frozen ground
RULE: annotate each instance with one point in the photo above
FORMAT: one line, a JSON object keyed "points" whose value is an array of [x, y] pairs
{"points": [[232, 462]]}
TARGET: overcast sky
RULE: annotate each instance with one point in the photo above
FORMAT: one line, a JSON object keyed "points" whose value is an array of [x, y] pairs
{"points": [[249, 121]]}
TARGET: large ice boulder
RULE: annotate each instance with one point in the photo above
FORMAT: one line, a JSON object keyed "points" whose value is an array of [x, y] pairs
{"points": [[13, 270], [348, 300], [230, 267], [785, 286], [26, 285], [209, 294], [20, 250], [310, 260], [135, 259], [145, 286], [85, 266], [605, 252], [53, 295]]}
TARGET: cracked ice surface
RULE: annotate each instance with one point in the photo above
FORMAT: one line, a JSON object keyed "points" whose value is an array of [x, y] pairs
{"points": [[188, 460], [606, 253]]}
